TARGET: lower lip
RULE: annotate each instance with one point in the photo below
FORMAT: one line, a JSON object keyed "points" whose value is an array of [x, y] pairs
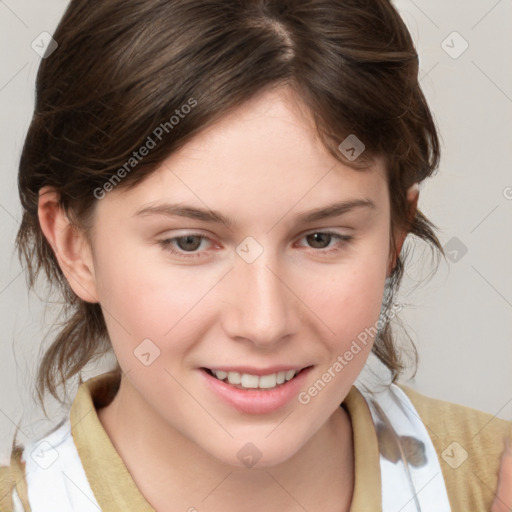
{"points": [[257, 401]]}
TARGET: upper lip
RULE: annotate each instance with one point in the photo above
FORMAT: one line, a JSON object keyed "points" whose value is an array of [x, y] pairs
{"points": [[257, 371]]}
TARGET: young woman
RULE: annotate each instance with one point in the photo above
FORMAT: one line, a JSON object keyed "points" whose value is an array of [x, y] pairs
{"points": [[222, 191]]}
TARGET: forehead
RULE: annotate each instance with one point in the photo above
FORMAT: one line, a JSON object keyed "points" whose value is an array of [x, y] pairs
{"points": [[273, 127], [265, 155]]}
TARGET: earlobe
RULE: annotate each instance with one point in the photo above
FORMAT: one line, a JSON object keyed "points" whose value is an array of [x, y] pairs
{"points": [[413, 194], [412, 198], [69, 245]]}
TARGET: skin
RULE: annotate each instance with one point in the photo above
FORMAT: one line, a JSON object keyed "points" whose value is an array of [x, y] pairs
{"points": [[297, 303], [503, 500]]}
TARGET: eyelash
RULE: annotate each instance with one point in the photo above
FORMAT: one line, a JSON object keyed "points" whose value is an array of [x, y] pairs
{"points": [[167, 244]]}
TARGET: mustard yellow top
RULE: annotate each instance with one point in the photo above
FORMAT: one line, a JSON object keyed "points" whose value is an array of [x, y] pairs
{"points": [[470, 485]]}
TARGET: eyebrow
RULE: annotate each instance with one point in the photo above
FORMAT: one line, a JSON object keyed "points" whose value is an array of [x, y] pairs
{"points": [[206, 215]]}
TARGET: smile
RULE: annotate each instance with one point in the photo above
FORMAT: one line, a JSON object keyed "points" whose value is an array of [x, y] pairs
{"points": [[256, 391]]}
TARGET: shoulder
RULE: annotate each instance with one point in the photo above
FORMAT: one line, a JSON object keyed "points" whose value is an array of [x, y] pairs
{"points": [[13, 489], [6, 488], [30, 468], [41, 463], [468, 443]]}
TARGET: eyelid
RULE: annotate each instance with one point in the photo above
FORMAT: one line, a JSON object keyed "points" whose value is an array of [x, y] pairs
{"points": [[330, 231]]}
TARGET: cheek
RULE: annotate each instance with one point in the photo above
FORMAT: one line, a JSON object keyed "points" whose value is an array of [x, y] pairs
{"points": [[348, 299], [144, 297], [350, 307]]}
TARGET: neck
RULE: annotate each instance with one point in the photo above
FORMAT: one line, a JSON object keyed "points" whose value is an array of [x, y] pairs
{"points": [[169, 468]]}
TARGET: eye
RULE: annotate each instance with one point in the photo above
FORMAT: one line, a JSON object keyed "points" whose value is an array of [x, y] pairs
{"points": [[192, 245], [322, 240], [184, 246]]}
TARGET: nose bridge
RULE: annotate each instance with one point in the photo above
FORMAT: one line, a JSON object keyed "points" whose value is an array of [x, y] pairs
{"points": [[261, 309]]}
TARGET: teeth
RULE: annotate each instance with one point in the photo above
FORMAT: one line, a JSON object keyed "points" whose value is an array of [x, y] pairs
{"points": [[268, 381], [233, 377], [248, 381], [289, 374]]}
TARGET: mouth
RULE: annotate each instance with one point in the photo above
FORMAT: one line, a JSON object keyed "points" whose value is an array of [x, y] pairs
{"points": [[247, 381]]}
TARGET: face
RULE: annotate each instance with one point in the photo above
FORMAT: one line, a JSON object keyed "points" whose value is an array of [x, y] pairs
{"points": [[228, 258]]}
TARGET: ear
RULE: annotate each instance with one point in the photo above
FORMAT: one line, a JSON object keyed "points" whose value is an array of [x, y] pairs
{"points": [[70, 246], [413, 194]]}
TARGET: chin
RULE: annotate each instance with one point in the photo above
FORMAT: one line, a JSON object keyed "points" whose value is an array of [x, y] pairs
{"points": [[256, 454]]}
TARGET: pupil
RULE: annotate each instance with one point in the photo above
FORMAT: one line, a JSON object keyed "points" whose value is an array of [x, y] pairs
{"points": [[189, 240], [319, 240]]}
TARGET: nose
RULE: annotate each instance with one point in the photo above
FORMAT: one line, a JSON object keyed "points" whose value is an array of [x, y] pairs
{"points": [[262, 306]]}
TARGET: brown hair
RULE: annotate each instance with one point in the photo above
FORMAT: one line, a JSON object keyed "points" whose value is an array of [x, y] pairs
{"points": [[124, 67]]}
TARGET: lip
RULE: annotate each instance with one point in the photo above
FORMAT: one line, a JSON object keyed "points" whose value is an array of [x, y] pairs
{"points": [[256, 401]]}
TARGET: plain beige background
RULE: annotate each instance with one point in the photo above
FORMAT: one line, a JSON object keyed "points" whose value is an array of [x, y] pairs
{"points": [[460, 320]]}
